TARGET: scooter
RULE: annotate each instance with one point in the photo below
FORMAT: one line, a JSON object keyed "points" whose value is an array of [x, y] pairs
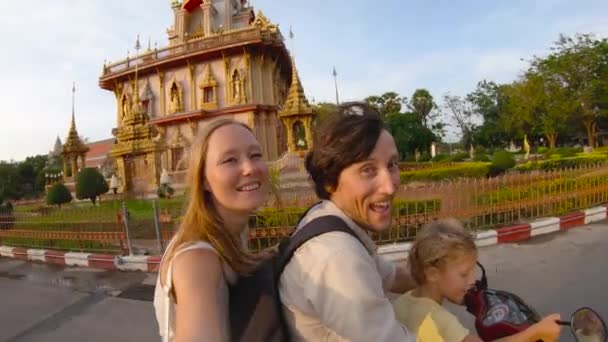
{"points": [[499, 314]]}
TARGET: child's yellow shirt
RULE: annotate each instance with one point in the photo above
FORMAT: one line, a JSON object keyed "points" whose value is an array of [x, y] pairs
{"points": [[428, 320]]}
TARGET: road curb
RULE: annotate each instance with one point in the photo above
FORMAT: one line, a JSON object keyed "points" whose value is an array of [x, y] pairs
{"points": [[396, 252]]}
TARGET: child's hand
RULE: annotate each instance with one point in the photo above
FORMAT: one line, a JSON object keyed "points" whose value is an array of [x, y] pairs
{"points": [[547, 329]]}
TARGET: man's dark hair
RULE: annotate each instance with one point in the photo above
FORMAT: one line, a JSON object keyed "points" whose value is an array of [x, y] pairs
{"points": [[348, 137]]}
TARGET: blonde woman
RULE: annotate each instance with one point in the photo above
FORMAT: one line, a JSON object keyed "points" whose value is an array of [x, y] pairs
{"points": [[228, 181]]}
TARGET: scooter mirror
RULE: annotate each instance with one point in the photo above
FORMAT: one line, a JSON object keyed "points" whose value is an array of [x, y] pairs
{"points": [[588, 326]]}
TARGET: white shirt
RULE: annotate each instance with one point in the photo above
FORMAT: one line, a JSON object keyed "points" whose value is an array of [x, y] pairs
{"points": [[334, 288], [164, 303]]}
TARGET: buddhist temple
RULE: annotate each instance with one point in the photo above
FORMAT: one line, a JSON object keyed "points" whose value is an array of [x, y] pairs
{"points": [[222, 60]]}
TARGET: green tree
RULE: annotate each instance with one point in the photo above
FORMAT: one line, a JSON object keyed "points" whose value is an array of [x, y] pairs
{"points": [[487, 102], [461, 114], [386, 104], [409, 134], [422, 104], [538, 105], [579, 65], [323, 111], [90, 184], [58, 194], [10, 181]]}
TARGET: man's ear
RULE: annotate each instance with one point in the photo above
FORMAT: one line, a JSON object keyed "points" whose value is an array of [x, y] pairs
{"points": [[329, 189]]}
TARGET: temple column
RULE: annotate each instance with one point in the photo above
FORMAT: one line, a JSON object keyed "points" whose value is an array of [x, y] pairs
{"points": [[74, 167], [154, 174], [161, 85], [290, 145], [308, 132], [120, 166], [83, 161], [65, 167], [206, 8]]}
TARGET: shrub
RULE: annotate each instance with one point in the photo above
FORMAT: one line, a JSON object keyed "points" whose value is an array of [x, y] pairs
{"points": [[425, 157], [58, 194], [480, 157], [90, 184], [563, 152], [462, 170], [165, 191], [440, 157], [501, 162], [273, 217], [459, 157]]}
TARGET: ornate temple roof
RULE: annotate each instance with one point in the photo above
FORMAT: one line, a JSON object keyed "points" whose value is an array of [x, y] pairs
{"points": [[191, 5], [73, 144], [296, 102], [56, 151]]}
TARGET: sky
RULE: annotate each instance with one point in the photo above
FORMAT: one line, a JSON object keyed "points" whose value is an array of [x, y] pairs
{"points": [[376, 46]]}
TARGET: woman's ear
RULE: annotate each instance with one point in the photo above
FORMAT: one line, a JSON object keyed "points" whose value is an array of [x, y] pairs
{"points": [[206, 186]]}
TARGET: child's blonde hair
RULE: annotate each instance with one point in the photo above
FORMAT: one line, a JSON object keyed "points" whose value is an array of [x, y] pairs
{"points": [[436, 243]]}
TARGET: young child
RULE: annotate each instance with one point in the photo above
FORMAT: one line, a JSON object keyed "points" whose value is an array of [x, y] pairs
{"points": [[442, 262]]}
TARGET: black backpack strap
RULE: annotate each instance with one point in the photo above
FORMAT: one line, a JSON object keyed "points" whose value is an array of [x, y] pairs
{"points": [[316, 227]]}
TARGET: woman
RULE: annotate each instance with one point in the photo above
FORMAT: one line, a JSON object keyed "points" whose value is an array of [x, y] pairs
{"points": [[334, 288], [228, 181]]}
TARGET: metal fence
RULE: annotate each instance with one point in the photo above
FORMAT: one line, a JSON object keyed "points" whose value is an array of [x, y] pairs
{"points": [[144, 226]]}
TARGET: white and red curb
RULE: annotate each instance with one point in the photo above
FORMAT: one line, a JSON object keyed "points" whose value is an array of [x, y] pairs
{"points": [[515, 233], [143, 263], [395, 252]]}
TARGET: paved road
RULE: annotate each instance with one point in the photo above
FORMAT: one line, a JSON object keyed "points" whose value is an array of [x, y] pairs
{"points": [[558, 273]]}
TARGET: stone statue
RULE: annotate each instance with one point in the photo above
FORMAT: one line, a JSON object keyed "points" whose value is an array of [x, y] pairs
{"points": [[526, 146], [125, 107], [174, 101], [237, 93]]}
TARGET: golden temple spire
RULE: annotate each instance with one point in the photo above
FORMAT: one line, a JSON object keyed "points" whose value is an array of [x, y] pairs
{"points": [[73, 123], [296, 102], [136, 106], [73, 142]]}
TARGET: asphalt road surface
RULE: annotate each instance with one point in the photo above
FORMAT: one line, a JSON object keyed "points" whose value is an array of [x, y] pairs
{"points": [[555, 273]]}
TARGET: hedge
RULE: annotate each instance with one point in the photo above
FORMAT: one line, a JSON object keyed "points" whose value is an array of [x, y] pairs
{"points": [[564, 163], [537, 190], [273, 217], [402, 208], [462, 170]]}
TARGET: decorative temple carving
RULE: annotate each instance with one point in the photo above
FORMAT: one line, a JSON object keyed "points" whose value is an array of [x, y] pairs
{"points": [[176, 98], [237, 87], [209, 91], [263, 23], [147, 98]]}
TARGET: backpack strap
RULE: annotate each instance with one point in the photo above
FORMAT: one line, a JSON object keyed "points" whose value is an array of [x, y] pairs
{"points": [[316, 227]]}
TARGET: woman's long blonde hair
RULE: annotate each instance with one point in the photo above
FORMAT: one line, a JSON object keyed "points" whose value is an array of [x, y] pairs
{"points": [[201, 220]]}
